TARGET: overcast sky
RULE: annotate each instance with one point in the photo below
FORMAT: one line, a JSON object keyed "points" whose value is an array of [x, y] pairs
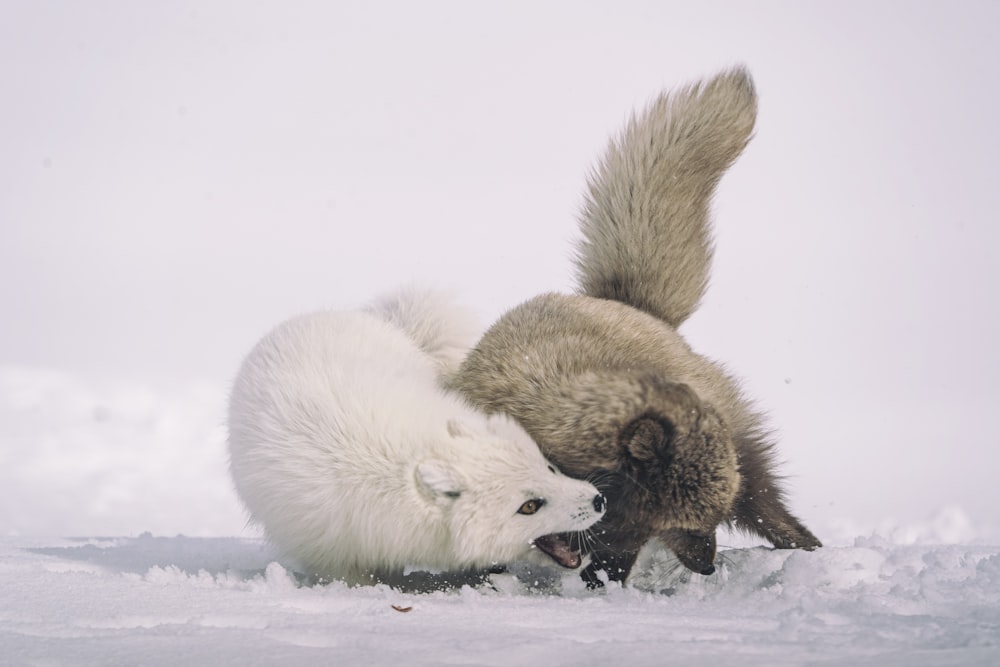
{"points": [[176, 178]]}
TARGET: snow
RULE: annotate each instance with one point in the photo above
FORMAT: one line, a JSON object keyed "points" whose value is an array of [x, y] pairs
{"points": [[92, 459], [170, 600]]}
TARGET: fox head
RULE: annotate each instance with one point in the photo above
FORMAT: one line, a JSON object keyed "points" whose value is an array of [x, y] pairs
{"points": [[677, 475], [502, 501]]}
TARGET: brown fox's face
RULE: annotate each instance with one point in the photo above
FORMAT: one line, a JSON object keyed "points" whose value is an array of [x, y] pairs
{"points": [[678, 478]]}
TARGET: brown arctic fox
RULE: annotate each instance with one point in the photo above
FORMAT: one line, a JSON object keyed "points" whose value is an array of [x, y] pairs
{"points": [[603, 381]]}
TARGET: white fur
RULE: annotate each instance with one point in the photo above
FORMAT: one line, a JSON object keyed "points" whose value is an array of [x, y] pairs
{"points": [[433, 321], [357, 464]]}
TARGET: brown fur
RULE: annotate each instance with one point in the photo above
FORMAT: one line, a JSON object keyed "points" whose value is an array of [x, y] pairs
{"points": [[604, 382]]}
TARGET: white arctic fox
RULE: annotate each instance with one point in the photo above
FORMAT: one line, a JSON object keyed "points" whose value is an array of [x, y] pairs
{"points": [[356, 463]]}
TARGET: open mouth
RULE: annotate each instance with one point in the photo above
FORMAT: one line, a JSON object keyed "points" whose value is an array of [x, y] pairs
{"points": [[559, 550]]}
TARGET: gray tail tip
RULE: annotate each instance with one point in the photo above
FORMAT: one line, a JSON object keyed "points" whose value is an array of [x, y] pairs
{"points": [[739, 76]]}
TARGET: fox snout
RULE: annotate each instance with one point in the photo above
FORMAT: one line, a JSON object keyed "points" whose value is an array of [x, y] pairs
{"points": [[600, 503]]}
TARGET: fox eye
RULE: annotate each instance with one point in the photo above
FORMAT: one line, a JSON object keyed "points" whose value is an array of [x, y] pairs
{"points": [[531, 506], [552, 470]]}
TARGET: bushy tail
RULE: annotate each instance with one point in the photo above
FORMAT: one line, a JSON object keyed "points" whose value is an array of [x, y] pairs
{"points": [[645, 221], [436, 322]]}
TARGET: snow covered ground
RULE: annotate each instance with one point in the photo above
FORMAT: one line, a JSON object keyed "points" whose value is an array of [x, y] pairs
{"points": [[168, 601], [89, 460]]}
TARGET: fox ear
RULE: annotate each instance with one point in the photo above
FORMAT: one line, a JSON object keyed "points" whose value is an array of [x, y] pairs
{"points": [[647, 439], [439, 481]]}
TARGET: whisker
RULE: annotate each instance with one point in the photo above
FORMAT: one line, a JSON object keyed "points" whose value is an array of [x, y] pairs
{"points": [[602, 480], [636, 482], [592, 540], [724, 559], [674, 573]]}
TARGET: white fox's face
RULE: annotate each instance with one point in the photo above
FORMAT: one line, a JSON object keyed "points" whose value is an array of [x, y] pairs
{"points": [[513, 502]]}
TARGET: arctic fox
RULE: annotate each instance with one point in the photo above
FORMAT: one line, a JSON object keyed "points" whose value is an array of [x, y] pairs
{"points": [[345, 448], [603, 381]]}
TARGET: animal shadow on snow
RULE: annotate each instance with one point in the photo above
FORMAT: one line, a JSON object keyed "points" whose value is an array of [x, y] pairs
{"points": [[248, 558], [657, 569]]}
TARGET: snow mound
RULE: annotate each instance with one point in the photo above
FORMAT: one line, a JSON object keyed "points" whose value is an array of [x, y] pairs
{"points": [[97, 458]]}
